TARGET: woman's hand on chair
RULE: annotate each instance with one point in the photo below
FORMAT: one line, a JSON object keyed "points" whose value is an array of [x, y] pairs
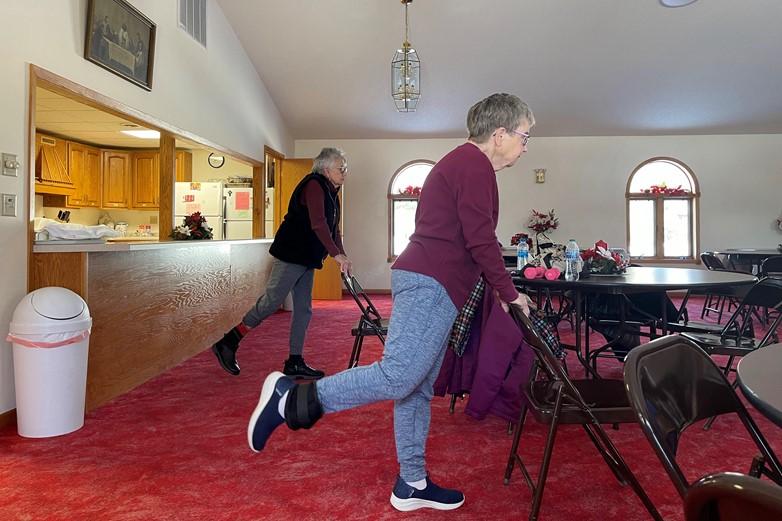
{"points": [[345, 266], [521, 301]]}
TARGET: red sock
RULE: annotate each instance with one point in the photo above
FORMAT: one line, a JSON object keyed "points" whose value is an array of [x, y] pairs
{"points": [[242, 329]]}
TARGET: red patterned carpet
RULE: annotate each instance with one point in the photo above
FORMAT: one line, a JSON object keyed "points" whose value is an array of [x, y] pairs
{"points": [[175, 449]]}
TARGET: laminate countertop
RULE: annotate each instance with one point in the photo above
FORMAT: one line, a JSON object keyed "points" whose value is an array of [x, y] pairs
{"points": [[89, 246]]}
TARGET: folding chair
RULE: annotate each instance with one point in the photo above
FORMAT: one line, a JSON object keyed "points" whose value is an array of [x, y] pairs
{"points": [[554, 398], [737, 337], [771, 267], [370, 323], [730, 496], [715, 299], [673, 384]]}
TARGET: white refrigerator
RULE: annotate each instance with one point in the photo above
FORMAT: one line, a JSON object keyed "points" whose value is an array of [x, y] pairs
{"points": [[206, 198], [237, 212]]}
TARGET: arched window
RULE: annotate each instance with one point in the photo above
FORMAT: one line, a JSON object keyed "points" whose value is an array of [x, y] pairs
{"points": [[662, 211], [403, 193]]}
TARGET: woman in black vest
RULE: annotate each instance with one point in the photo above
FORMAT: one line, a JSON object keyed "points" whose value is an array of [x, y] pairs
{"points": [[309, 232]]}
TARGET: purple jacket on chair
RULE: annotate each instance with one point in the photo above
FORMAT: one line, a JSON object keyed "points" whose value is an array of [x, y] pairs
{"points": [[494, 365]]}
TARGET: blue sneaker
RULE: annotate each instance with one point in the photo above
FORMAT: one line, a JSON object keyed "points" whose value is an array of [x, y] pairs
{"points": [[266, 416], [406, 498]]}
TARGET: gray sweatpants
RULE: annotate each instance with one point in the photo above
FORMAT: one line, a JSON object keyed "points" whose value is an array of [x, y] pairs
{"points": [[286, 278], [420, 322]]}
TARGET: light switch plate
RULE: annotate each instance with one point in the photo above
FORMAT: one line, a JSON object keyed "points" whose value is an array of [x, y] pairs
{"points": [[9, 205], [10, 165]]}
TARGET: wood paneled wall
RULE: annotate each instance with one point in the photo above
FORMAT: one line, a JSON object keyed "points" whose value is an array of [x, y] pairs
{"points": [[153, 309]]}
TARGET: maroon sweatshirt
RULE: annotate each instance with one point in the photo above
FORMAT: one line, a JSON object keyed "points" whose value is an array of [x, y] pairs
{"points": [[455, 238]]}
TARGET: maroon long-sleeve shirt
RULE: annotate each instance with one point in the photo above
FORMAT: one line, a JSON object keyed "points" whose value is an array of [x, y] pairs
{"points": [[455, 227], [312, 198]]}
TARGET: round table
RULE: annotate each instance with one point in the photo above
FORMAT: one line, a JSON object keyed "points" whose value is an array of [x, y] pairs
{"points": [[759, 381]]}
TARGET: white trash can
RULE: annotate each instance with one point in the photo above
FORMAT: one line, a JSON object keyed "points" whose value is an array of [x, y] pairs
{"points": [[50, 332]]}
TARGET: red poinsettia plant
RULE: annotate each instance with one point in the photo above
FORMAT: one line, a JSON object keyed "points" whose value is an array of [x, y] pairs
{"points": [[661, 189], [540, 222], [193, 228], [411, 190], [602, 260]]}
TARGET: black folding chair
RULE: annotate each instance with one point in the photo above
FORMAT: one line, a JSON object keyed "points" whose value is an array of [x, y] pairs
{"points": [[771, 267], [715, 299], [730, 496], [554, 398], [737, 337], [370, 323], [672, 385]]}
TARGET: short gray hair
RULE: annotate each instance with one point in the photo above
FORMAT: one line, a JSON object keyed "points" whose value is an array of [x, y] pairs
{"points": [[498, 110], [326, 159]]}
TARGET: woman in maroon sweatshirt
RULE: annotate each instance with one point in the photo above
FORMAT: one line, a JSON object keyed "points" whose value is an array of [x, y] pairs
{"points": [[453, 243]]}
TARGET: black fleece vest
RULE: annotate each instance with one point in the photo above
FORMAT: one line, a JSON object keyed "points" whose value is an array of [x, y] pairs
{"points": [[295, 241]]}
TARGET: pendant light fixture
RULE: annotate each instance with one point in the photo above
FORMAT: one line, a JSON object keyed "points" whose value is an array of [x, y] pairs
{"points": [[406, 73]]}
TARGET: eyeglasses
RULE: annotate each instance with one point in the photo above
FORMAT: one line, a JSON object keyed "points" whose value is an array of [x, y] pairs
{"points": [[524, 136], [342, 169]]}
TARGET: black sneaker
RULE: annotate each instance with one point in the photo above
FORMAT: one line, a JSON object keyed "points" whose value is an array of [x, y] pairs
{"points": [[266, 416], [226, 356], [406, 498], [300, 370]]}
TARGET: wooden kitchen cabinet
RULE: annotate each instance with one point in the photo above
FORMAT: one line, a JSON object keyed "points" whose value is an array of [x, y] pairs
{"points": [[116, 179], [145, 180], [184, 166], [51, 167], [84, 168]]}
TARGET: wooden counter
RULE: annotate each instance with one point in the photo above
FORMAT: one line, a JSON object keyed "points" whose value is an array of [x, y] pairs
{"points": [[154, 305]]}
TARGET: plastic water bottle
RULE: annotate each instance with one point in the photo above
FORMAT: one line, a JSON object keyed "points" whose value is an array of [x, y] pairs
{"points": [[571, 260], [522, 253]]}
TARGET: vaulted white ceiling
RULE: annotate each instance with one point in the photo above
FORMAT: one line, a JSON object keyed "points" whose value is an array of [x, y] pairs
{"points": [[586, 67]]}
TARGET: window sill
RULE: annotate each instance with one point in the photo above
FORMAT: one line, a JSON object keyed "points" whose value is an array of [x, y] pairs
{"points": [[650, 260]]}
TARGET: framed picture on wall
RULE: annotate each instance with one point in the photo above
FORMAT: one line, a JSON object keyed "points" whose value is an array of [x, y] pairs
{"points": [[120, 39]]}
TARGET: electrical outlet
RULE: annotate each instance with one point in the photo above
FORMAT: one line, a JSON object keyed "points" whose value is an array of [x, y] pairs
{"points": [[9, 205], [153, 219]]}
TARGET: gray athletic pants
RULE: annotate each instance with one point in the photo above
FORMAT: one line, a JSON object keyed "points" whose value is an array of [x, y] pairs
{"points": [[286, 278], [420, 322]]}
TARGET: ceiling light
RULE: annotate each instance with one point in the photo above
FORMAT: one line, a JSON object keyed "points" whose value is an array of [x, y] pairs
{"points": [[406, 74], [676, 3], [142, 134]]}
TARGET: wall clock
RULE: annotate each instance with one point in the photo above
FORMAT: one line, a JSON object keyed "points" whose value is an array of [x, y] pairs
{"points": [[216, 161]]}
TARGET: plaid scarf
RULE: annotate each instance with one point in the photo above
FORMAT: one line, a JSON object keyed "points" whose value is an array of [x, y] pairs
{"points": [[460, 332]]}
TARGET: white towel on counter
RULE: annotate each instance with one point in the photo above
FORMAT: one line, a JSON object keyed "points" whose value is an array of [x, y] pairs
{"points": [[59, 230]]}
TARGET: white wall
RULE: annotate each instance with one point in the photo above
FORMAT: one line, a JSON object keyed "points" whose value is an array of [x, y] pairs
{"points": [[214, 94], [740, 178]]}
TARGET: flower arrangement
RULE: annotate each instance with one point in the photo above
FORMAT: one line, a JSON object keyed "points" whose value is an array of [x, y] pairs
{"points": [[541, 222], [411, 190], [516, 239], [602, 261], [779, 224], [661, 189], [193, 228]]}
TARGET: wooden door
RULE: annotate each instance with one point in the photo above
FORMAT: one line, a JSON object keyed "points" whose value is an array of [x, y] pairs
{"points": [[328, 283], [145, 180], [116, 179]]}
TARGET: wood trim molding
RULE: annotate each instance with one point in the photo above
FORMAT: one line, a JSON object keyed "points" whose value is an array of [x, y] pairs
{"points": [[50, 81]]}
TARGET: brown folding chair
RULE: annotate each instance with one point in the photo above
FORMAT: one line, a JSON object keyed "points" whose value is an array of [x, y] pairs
{"points": [[554, 398], [672, 385], [370, 323], [730, 496]]}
